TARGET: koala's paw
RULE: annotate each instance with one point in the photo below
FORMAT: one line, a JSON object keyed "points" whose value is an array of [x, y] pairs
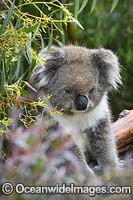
{"points": [[98, 170]]}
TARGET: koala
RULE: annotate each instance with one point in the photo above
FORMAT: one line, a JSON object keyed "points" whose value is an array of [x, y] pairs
{"points": [[79, 80]]}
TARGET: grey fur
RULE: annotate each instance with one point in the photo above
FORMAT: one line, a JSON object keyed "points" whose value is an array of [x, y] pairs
{"points": [[102, 148], [70, 71]]}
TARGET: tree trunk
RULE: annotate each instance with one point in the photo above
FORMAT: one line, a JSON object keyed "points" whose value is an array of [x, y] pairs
{"points": [[123, 129]]}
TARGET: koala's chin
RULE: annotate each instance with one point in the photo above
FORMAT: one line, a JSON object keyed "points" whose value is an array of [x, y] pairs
{"points": [[73, 111]]}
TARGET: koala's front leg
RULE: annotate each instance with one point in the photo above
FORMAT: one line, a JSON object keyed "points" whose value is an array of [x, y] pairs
{"points": [[103, 146], [82, 161], [90, 176]]}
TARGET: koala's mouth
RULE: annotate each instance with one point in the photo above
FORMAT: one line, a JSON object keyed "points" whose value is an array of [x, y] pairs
{"points": [[68, 112], [72, 111]]}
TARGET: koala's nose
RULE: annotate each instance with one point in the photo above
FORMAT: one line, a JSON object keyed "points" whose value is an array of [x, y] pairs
{"points": [[81, 102]]}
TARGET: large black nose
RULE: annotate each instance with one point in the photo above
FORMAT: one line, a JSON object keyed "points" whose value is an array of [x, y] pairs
{"points": [[81, 102]]}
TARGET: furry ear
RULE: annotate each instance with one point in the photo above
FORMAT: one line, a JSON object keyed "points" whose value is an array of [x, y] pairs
{"points": [[108, 65], [52, 61]]}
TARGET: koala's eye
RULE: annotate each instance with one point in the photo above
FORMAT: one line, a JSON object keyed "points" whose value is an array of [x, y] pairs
{"points": [[91, 90], [67, 90]]}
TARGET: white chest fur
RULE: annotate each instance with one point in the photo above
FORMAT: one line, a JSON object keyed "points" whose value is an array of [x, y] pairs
{"points": [[77, 123]]}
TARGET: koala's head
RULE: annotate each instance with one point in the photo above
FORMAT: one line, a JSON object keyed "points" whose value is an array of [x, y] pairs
{"points": [[76, 77]]}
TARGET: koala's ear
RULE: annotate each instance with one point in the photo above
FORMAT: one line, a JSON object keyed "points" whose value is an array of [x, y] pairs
{"points": [[51, 62], [108, 65]]}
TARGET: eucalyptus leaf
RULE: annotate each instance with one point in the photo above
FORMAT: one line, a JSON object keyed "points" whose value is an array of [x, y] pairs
{"points": [[7, 19], [50, 41], [93, 6], [1, 84], [31, 28], [59, 43], [42, 42], [61, 27], [77, 22], [2, 77], [83, 6], [18, 67], [115, 3], [36, 31], [76, 9]]}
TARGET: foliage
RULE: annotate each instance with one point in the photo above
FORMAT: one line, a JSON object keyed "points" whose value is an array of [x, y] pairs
{"points": [[21, 34], [28, 164], [31, 25]]}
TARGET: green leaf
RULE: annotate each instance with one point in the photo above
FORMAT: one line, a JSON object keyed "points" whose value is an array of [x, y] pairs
{"points": [[50, 41], [24, 92], [38, 166], [60, 43], [36, 31], [32, 65], [93, 6], [29, 55], [2, 78], [61, 27], [7, 19], [77, 22], [76, 9], [42, 42], [18, 67], [83, 6], [25, 54], [31, 28], [7, 67], [115, 3]]}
